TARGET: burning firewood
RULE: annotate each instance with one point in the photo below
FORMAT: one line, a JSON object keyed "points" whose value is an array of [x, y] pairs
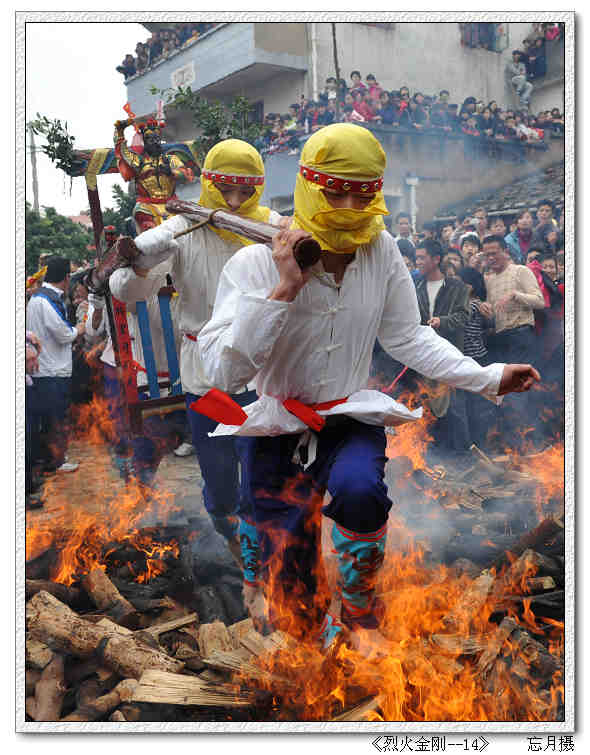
{"points": [[105, 596], [472, 601], [360, 712], [175, 689], [458, 644], [548, 528], [50, 691], [51, 621], [95, 709], [531, 563], [71, 596], [489, 655]]}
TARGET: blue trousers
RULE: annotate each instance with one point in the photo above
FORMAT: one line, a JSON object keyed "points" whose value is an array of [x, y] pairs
{"points": [[222, 461], [141, 452], [49, 403], [288, 501]]}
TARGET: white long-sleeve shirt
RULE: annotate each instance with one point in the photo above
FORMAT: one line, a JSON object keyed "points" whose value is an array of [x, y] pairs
{"points": [[55, 334], [195, 269], [319, 347]]}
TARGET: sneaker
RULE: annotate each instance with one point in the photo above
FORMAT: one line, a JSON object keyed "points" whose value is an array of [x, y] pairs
{"points": [[184, 449], [68, 466]]}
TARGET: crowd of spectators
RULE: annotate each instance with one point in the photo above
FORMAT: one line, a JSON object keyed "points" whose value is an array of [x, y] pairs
{"points": [[506, 303], [366, 103], [160, 45]]}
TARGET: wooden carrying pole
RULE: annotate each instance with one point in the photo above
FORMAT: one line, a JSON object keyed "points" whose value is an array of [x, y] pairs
{"points": [[307, 251]]}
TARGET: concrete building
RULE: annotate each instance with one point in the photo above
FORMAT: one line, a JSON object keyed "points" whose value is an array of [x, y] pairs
{"points": [[275, 64]]}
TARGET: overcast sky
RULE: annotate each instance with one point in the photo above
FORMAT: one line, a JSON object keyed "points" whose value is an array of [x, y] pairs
{"points": [[70, 75]]}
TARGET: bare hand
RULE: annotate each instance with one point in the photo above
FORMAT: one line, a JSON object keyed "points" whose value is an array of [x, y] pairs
{"points": [[34, 340], [285, 221], [486, 310], [503, 303], [518, 378], [80, 328], [434, 322], [292, 278]]}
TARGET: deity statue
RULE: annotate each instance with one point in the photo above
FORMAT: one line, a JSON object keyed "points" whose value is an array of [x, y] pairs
{"points": [[155, 171]]}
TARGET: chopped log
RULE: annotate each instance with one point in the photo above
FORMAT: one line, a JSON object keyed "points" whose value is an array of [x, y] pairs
{"points": [[497, 472], [51, 621], [239, 630], [37, 654], [236, 661], [445, 665], [213, 637], [105, 596], [536, 656], [550, 604], [50, 691], [258, 644], [167, 626], [32, 676], [176, 689], [538, 584], [191, 658], [40, 566], [458, 644], [71, 596], [489, 655], [212, 676], [471, 602], [130, 658], [532, 563], [95, 709], [111, 626], [117, 716], [88, 691], [361, 710], [31, 707], [534, 539]]}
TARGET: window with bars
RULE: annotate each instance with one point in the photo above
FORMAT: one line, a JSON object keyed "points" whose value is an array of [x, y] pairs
{"points": [[486, 36]]}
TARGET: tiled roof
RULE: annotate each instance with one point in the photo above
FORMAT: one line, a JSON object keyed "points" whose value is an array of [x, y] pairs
{"points": [[526, 192]]}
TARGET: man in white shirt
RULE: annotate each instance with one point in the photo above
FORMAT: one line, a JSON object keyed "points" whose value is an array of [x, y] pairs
{"points": [[51, 391], [232, 178], [306, 337]]}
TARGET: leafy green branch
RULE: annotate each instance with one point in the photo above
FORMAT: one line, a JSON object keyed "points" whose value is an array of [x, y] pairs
{"points": [[213, 120], [59, 144]]}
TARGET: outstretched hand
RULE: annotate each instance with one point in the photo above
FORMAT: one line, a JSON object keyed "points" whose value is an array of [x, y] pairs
{"points": [[518, 378]]}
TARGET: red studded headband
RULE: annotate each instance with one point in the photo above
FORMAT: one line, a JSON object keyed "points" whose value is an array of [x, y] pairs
{"points": [[229, 178], [340, 184]]}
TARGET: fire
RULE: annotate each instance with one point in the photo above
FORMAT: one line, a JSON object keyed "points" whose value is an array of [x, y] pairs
{"points": [[416, 679], [103, 511]]}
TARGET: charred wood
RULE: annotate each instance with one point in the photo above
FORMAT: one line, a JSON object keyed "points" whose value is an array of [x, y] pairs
{"points": [[107, 597]]}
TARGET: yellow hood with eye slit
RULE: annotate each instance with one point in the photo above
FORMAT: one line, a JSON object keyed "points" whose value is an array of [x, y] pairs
{"points": [[343, 150], [233, 157]]}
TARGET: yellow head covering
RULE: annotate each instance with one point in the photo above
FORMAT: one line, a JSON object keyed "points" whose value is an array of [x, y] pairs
{"points": [[343, 151], [233, 158]]}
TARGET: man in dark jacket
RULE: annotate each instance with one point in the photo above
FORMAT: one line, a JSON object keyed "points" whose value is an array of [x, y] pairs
{"points": [[444, 305]]}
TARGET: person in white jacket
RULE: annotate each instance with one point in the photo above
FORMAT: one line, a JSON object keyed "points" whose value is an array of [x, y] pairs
{"points": [[232, 178], [306, 338]]}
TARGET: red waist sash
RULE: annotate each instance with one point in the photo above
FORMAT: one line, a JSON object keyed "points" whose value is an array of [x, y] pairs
{"points": [[220, 407]]}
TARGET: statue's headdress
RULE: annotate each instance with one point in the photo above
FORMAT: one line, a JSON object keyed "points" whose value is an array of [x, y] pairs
{"points": [[150, 126]]}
